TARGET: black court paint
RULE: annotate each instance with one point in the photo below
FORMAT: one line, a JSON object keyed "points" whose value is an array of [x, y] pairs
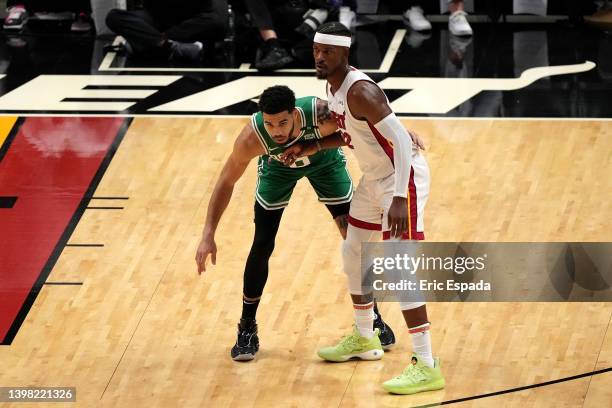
{"points": [[64, 283], [7, 202], [523, 388]]}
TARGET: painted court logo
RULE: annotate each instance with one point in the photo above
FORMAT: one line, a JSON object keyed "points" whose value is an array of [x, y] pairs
{"points": [[134, 94]]}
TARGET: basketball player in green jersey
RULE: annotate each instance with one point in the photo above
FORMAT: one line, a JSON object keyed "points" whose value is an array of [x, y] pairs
{"points": [[281, 122]]}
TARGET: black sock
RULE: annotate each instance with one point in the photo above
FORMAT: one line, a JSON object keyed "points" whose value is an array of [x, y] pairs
{"points": [[272, 43], [376, 314], [249, 309]]}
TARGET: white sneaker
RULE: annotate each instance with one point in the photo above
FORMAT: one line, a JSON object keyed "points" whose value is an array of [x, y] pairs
{"points": [[347, 17], [415, 39], [458, 24], [416, 20]]}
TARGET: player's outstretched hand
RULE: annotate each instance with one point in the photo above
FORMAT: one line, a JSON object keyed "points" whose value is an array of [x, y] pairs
{"points": [[398, 216], [206, 247], [416, 139]]}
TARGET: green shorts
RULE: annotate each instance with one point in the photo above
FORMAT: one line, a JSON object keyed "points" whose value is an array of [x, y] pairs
{"points": [[325, 170]]}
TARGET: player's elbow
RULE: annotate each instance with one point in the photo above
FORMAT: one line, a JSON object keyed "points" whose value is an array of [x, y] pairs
{"points": [[393, 130]]}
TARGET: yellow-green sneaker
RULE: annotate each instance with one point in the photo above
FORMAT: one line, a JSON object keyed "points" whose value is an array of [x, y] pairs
{"points": [[354, 346], [418, 377]]}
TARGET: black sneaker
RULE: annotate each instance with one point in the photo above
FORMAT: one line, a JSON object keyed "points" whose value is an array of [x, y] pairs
{"points": [[386, 336], [247, 343], [186, 51], [270, 58]]}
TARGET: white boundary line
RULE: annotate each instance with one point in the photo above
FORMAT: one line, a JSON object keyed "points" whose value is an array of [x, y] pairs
{"points": [[206, 116], [394, 46], [108, 59], [105, 65]]}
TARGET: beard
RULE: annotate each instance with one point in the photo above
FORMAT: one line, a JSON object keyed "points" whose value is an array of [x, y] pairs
{"points": [[287, 138]]}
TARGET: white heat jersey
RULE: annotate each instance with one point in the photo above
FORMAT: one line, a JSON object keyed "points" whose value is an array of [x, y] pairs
{"points": [[373, 151]]}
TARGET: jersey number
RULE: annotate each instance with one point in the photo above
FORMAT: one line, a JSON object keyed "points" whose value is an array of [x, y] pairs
{"points": [[341, 122], [301, 162]]}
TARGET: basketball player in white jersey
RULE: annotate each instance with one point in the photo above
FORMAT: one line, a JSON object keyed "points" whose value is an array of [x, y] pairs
{"points": [[390, 199]]}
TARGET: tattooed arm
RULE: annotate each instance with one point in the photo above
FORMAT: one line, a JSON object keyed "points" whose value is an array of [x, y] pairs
{"points": [[331, 137], [327, 125]]}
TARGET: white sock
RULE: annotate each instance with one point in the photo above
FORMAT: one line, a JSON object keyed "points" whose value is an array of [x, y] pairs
{"points": [[421, 343], [364, 319], [316, 18]]}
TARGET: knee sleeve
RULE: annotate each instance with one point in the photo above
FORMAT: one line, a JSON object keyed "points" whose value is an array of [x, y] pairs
{"points": [[111, 18], [351, 257], [256, 269]]}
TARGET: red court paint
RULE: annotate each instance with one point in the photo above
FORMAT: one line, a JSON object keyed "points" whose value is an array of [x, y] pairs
{"points": [[48, 167]]}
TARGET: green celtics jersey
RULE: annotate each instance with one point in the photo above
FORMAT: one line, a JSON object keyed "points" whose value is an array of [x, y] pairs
{"points": [[325, 170], [307, 108]]}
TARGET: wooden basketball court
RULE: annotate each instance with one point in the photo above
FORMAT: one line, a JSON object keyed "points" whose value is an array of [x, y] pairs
{"points": [[144, 330]]}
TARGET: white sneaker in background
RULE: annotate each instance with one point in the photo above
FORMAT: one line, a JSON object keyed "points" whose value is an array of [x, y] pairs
{"points": [[416, 38], [347, 17], [458, 24], [416, 20]]}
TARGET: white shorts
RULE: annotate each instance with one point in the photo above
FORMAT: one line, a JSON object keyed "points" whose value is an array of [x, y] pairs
{"points": [[372, 199]]}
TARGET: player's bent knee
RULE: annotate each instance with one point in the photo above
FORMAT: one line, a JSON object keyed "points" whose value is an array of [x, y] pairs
{"points": [[355, 286], [263, 247], [351, 246], [350, 257], [254, 284], [352, 267]]}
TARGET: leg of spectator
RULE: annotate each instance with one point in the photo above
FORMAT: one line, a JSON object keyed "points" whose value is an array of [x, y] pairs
{"points": [[602, 18], [137, 27], [260, 13], [415, 18], [271, 55], [455, 5], [262, 19], [204, 27], [457, 22], [268, 35]]}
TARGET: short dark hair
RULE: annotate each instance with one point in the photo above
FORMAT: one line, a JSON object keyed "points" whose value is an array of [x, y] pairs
{"points": [[334, 28], [277, 99]]}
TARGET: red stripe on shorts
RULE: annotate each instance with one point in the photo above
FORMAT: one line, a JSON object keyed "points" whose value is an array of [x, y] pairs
{"points": [[363, 224], [412, 233]]}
